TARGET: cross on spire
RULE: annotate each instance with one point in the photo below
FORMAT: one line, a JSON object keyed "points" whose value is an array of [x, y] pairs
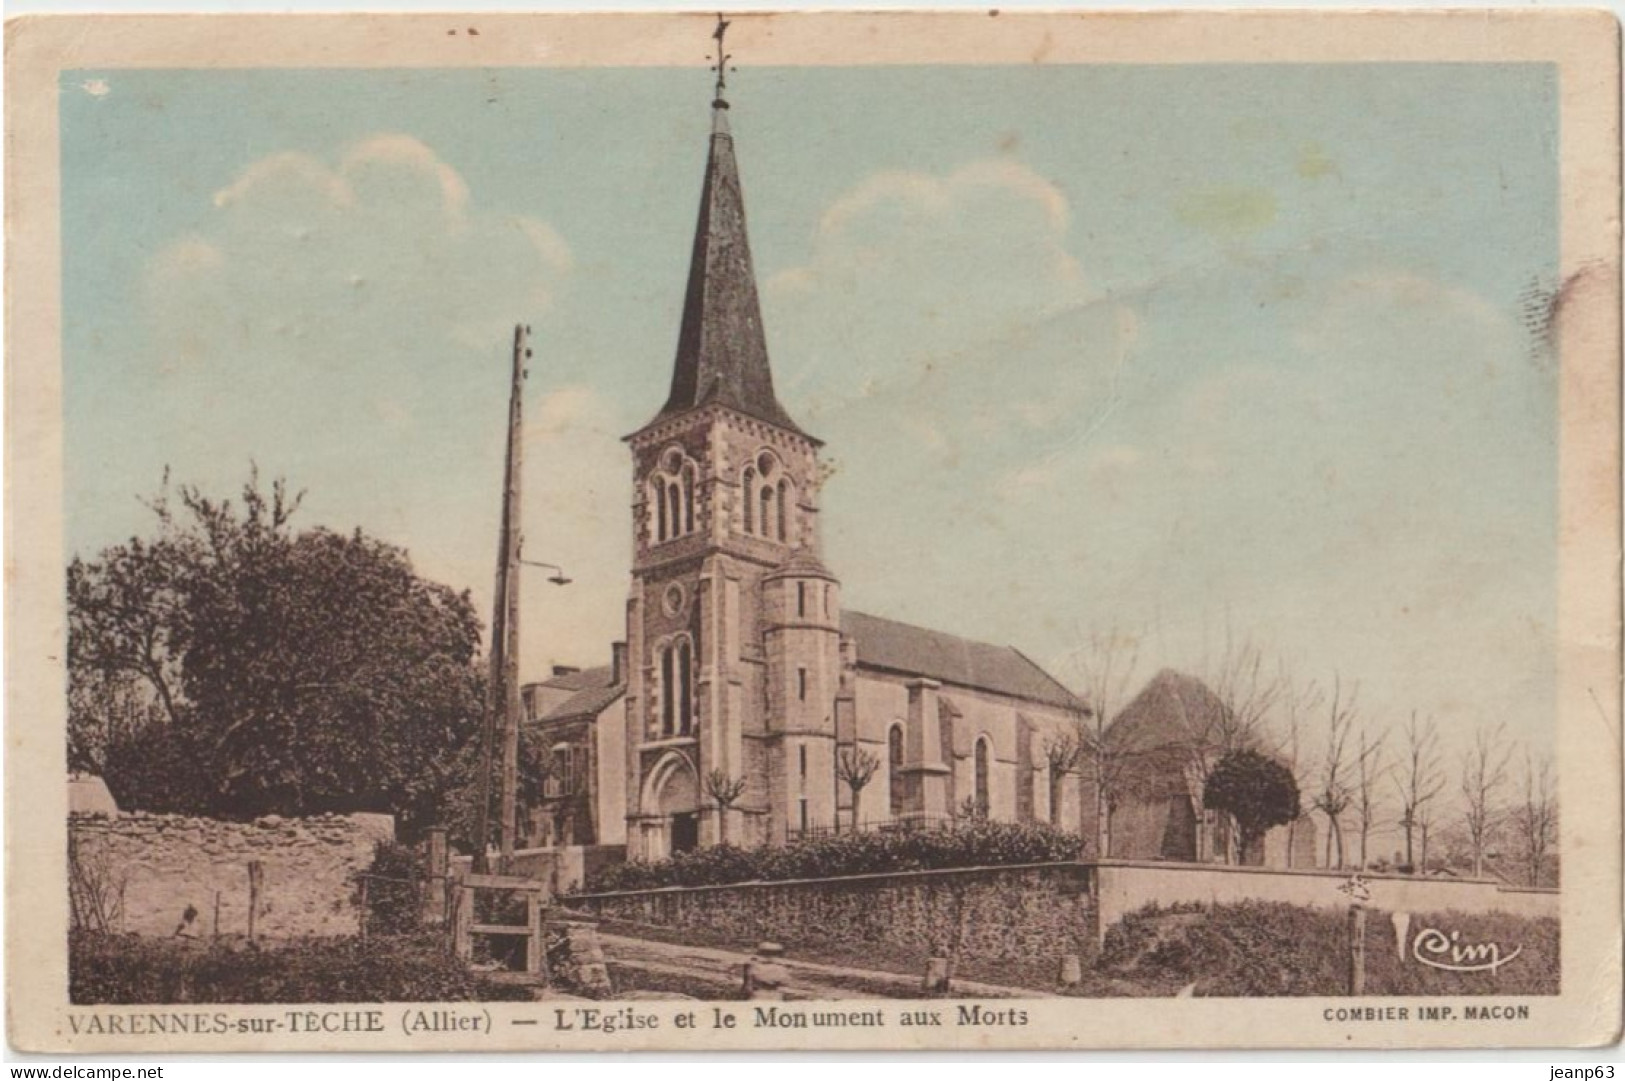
{"points": [[721, 66]]}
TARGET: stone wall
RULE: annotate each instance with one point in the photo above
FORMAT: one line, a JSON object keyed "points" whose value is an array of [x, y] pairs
{"points": [[165, 866], [1020, 914]]}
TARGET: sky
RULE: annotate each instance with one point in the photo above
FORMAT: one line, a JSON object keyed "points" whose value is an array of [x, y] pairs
{"points": [[1182, 353]]}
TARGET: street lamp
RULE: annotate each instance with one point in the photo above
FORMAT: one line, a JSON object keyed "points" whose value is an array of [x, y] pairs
{"points": [[557, 577]]}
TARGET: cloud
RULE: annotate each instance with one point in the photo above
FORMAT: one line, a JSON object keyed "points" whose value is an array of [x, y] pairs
{"points": [[929, 269], [319, 265]]}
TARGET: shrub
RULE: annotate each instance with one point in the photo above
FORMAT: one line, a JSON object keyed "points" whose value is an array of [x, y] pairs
{"points": [[977, 843], [126, 969], [394, 890]]}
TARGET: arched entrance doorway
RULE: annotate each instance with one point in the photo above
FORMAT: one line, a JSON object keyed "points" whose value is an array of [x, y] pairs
{"points": [[673, 793]]}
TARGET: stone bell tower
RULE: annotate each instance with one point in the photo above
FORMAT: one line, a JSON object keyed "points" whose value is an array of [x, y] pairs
{"points": [[732, 621]]}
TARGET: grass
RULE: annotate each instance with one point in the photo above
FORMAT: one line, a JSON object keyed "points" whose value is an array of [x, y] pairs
{"points": [[130, 970]]}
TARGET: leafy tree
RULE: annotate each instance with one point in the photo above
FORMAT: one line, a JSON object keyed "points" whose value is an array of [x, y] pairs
{"points": [[229, 666], [1255, 790]]}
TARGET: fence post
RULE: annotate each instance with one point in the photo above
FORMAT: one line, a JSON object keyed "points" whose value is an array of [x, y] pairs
{"points": [[256, 872], [437, 883], [1356, 949], [364, 880], [463, 934], [535, 955]]}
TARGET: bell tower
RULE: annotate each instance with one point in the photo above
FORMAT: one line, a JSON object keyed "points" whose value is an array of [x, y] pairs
{"points": [[724, 496]]}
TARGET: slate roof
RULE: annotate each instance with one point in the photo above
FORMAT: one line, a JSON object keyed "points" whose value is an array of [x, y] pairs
{"points": [[1170, 711], [594, 691], [903, 648], [721, 348]]}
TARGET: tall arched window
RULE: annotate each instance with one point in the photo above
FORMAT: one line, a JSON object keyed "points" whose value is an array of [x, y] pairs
{"points": [[661, 527], [982, 803], [784, 510], [767, 511], [688, 499], [749, 500], [894, 769], [674, 499], [685, 689], [668, 696]]}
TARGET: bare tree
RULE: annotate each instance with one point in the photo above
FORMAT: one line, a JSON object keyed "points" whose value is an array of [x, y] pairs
{"points": [[1483, 773], [1535, 818], [1108, 667], [1334, 787], [724, 790], [856, 768], [1369, 769], [1419, 780], [1298, 701]]}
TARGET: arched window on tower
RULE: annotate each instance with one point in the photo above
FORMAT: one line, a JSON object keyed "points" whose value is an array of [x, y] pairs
{"points": [[894, 769], [982, 766], [767, 511], [784, 510], [674, 498], [749, 499], [685, 688], [660, 509], [688, 499], [668, 695]]}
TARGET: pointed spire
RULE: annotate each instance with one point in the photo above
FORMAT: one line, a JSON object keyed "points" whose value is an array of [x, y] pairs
{"points": [[721, 348]]}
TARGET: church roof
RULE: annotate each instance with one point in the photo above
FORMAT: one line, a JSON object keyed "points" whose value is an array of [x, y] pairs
{"points": [[903, 648], [1172, 710], [594, 689], [721, 348]]}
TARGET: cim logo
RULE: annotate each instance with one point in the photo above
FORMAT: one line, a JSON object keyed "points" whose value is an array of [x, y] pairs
{"points": [[1436, 949]]}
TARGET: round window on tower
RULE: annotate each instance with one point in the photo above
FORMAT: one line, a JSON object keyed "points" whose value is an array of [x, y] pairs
{"points": [[764, 464], [673, 599]]}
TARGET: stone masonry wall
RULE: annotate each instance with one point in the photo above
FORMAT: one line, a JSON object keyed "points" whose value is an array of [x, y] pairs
{"points": [[1020, 914], [164, 865]]}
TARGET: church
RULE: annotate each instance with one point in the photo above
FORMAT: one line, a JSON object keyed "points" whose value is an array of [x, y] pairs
{"points": [[746, 698]]}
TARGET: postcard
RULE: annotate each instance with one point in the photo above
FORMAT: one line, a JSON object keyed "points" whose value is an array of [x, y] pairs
{"points": [[813, 530]]}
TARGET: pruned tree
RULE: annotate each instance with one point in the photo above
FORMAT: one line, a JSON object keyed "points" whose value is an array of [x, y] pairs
{"points": [[1483, 774], [1370, 766], [724, 792], [1063, 749], [856, 767], [1534, 819], [1334, 782], [1108, 664], [1419, 780], [1256, 791]]}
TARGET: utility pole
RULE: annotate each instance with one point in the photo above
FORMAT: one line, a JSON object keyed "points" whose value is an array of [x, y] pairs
{"points": [[502, 709]]}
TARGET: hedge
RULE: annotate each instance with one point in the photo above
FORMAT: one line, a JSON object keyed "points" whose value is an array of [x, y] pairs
{"points": [[1259, 948], [973, 844]]}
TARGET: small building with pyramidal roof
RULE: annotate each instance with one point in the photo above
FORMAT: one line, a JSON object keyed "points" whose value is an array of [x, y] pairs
{"points": [[749, 695], [1160, 747]]}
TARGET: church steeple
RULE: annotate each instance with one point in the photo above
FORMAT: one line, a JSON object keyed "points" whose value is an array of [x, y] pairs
{"points": [[721, 348]]}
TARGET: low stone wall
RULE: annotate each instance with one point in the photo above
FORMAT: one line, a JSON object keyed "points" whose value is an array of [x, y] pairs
{"points": [[1019, 913], [157, 868], [1126, 886]]}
